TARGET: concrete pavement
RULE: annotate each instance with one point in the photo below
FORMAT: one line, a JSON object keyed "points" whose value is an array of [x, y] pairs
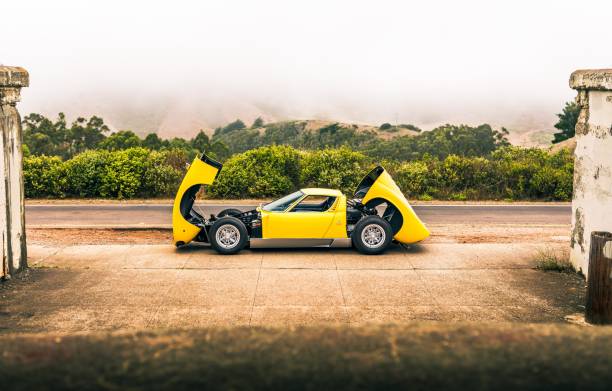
{"points": [[108, 287]]}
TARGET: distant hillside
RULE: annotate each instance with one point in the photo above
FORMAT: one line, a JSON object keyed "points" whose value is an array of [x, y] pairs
{"points": [[399, 142], [184, 118], [569, 144], [311, 134]]}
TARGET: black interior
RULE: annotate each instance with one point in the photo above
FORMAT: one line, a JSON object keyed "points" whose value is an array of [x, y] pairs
{"points": [[320, 207]]}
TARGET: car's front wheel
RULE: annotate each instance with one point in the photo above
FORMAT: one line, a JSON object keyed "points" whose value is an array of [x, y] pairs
{"points": [[372, 235], [228, 235]]}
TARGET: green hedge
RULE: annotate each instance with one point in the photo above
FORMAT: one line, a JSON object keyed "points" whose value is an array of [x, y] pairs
{"points": [[129, 173], [44, 176], [335, 168], [261, 172], [511, 173]]}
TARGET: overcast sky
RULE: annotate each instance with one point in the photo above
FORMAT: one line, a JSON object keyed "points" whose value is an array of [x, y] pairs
{"points": [[423, 62]]}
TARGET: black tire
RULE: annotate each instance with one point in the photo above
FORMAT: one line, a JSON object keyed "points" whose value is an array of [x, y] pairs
{"points": [[373, 224], [229, 212], [231, 227]]}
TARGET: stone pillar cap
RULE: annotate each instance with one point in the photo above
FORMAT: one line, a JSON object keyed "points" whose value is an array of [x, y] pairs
{"points": [[591, 79], [13, 77]]}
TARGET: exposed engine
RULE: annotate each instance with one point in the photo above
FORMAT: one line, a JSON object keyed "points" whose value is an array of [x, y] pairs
{"points": [[355, 210]]}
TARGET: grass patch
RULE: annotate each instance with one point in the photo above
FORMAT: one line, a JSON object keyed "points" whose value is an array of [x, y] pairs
{"points": [[551, 260]]}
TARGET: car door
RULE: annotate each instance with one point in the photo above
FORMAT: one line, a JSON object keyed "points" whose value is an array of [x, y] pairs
{"points": [[310, 218]]}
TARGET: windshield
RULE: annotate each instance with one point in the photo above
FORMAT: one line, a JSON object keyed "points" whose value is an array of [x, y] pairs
{"points": [[282, 204]]}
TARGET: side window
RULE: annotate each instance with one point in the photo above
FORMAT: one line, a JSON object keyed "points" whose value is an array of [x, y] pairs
{"points": [[314, 203]]}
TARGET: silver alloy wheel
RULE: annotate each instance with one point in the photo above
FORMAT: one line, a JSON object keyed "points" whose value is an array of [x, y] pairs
{"points": [[373, 235], [227, 236]]}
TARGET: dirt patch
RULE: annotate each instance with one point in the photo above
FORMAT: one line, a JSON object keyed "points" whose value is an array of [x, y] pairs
{"points": [[62, 237], [478, 233]]}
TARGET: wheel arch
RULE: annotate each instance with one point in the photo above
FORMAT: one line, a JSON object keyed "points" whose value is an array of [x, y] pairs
{"points": [[391, 213]]}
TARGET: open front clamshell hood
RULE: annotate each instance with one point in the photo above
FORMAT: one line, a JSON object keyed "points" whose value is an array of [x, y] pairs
{"points": [[202, 171]]}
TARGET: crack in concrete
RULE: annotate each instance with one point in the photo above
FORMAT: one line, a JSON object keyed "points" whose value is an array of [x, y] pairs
{"points": [[256, 287]]}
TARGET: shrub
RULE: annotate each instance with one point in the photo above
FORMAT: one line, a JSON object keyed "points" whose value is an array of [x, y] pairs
{"points": [[409, 127], [121, 140], [335, 168], [43, 176], [160, 178], [84, 173], [531, 173], [124, 172], [549, 259], [413, 178], [508, 173], [262, 172]]}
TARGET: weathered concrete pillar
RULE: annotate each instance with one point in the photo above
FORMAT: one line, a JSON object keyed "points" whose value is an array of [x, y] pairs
{"points": [[592, 203], [12, 212]]}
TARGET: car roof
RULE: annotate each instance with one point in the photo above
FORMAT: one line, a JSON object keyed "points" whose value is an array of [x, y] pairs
{"points": [[321, 191]]}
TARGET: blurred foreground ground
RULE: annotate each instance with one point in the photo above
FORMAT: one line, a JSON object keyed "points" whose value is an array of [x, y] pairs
{"points": [[415, 356]]}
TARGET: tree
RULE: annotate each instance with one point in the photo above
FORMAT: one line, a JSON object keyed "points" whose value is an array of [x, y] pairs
{"points": [[152, 141], [201, 142], [219, 150], [177, 143], [86, 134], [258, 123], [567, 122], [236, 125], [45, 137], [409, 127], [461, 140], [121, 140], [39, 135], [385, 126]]}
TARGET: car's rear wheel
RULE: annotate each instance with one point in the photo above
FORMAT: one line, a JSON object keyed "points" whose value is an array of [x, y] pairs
{"points": [[372, 235], [229, 212], [228, 235]]}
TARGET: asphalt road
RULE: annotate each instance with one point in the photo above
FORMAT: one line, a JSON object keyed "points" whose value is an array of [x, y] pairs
{"points": [[158, 214]]}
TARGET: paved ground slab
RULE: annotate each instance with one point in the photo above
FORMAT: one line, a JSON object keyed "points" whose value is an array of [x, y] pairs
{"points": [[110, 287]]}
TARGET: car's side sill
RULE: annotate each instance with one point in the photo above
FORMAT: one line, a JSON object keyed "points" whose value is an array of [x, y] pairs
{"points": [[285, 243]]}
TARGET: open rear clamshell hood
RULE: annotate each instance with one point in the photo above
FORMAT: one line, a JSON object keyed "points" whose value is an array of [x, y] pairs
{"points": [[378, 187], [367, 182]]}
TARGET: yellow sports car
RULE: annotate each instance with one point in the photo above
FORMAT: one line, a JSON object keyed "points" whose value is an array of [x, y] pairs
{"points": [[377, 214]]}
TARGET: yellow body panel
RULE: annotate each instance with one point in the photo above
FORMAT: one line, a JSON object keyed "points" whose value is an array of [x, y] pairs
{"points": [[199, 173], [413, 230], [330, 224]]}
